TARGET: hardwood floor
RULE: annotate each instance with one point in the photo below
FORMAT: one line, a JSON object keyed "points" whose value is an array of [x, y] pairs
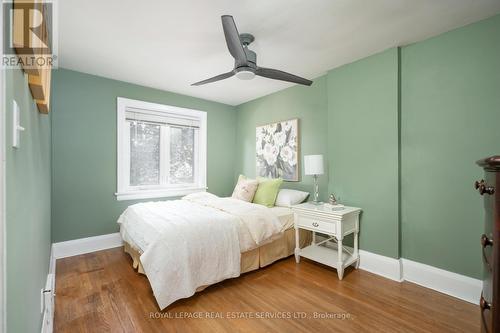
{"points": [[100, 292]]}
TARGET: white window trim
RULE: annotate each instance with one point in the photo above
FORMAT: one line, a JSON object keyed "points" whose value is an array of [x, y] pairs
{"points": [[123, 192]]}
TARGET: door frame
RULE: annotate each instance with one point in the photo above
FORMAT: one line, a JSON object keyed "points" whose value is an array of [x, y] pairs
{"points": [[3, 116]]}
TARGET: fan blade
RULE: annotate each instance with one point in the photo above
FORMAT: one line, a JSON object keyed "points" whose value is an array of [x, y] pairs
{"points": [[233, 40], [215, 78], [280, 75]]}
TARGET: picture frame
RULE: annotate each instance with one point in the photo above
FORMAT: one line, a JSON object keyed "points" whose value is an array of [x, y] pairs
{"points": [[278, 150]]}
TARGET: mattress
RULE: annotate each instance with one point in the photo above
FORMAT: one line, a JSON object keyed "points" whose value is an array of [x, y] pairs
{"points": [[284, 215]]}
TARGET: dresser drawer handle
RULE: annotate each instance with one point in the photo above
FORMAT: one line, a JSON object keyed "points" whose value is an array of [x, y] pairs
{"points": [[315, 224], [486, 241], [482, 188], [483, 304]]}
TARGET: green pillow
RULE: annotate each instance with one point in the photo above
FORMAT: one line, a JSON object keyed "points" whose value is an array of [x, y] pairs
{"points": [[267, 191]]}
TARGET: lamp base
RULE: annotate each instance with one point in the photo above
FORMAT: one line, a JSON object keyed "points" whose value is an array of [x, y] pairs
{"points": [[317, 203], [316, 191]]}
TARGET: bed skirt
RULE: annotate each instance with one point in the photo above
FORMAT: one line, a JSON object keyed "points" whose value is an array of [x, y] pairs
{"points": [[262, 256]]}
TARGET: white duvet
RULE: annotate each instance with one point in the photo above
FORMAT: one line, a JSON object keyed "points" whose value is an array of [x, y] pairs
{"points": [[195, 241]]}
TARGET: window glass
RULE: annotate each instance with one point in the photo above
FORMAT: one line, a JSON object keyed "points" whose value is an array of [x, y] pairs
{"points": [[144, 153], [182, 155]]}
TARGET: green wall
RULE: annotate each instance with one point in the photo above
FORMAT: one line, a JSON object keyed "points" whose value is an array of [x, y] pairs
{"points": [[27, 207], [306, 103], [363, 146], [450, 119], [84, 150]]}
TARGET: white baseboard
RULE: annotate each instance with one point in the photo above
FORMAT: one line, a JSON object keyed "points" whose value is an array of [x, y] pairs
{"points": [[48, 296], [86, 245], [453, 284], [381, 265]]}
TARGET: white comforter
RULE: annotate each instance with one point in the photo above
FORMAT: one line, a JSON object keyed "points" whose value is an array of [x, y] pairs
{"points": [[195, 241]]}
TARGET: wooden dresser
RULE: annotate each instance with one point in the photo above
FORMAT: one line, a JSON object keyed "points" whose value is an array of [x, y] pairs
{"points": [[489, 188]]}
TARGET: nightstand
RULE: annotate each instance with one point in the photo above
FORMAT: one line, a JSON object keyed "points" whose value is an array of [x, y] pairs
{"points": [[335, 224]]}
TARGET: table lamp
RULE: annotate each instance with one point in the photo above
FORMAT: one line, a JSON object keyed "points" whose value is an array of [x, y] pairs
{"points": [[313, 166]]}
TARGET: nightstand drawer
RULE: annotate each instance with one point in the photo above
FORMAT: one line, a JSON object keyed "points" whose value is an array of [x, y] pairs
{"points": [[315, 224]]}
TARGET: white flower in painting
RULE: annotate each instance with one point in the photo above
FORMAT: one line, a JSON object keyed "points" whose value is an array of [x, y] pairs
{"points": [[260, 136], [261, 133], [258, 148], [292, 140], [286, 153], [280, 138], [270, 154], [287, 125], [268, 138], [293, 160]]}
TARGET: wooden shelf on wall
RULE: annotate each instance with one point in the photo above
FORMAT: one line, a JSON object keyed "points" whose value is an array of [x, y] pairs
{"points": [[38, 76], [40, 88]]}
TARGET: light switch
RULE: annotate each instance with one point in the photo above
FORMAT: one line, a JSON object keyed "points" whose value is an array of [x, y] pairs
{"points": [[16, 125]]}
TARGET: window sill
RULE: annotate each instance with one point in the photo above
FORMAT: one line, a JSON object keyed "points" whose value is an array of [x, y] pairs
{"points": [[164, 193]]}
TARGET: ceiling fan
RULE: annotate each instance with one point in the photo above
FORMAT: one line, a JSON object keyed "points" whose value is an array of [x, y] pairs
{"points": [[245, 60]]}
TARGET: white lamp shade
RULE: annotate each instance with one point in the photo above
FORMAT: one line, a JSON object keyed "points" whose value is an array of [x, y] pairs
{"points": [[313, 165]]}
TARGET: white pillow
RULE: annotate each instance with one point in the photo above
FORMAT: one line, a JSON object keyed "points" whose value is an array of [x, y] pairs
{"points": [[287, 198], [245, 189]]}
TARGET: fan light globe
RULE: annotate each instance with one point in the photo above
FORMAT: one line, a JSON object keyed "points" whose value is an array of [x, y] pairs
{"points": [[245, 75]]}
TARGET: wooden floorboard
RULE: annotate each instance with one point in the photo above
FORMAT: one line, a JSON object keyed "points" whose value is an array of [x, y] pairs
{"points": [[100, 292]]}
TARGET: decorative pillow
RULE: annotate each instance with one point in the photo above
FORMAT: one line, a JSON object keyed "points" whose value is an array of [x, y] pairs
{"points": [[245, 189], [267, 191], [288, 198]]}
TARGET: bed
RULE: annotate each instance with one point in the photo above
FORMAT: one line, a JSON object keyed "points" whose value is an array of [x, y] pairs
{"points": [[185, 245]]}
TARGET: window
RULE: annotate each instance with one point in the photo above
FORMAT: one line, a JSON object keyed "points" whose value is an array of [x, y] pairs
{"points": [[161, 150]]}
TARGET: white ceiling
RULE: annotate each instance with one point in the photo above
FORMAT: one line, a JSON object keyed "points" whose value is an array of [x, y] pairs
{"points": [[170, 44]]}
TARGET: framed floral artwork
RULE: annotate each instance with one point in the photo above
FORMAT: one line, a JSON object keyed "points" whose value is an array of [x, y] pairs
{"points": [[277, 147]]}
